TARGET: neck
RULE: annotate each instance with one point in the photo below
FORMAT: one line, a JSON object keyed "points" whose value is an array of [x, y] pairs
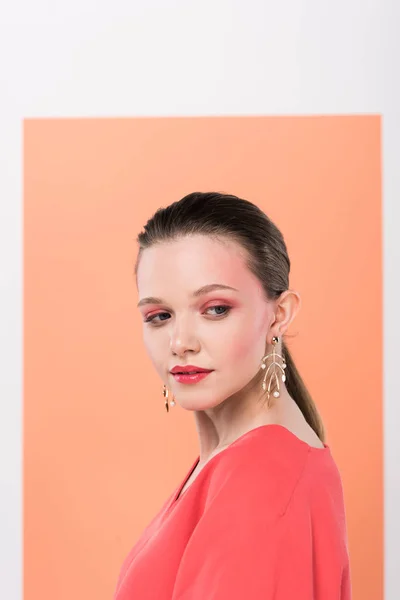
{"points": [[218, 427]]}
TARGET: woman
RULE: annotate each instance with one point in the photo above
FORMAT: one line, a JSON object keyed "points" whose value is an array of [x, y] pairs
{"points": [[260, 514]]}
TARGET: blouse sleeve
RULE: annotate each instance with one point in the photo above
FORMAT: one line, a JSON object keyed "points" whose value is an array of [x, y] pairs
{"points": [[245, 547]]}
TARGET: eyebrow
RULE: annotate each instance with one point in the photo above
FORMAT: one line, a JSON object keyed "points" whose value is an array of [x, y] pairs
{"points": [[203, 290]]}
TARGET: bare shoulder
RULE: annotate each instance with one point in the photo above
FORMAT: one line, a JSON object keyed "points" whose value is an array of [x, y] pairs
{"points": [[306, 434], [296, 423]]}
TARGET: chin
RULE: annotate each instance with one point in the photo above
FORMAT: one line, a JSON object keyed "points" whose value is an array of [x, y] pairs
{"points": [[197, 405]]}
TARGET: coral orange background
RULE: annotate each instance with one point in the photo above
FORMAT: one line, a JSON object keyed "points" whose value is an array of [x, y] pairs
{"points": [[100, 453]]}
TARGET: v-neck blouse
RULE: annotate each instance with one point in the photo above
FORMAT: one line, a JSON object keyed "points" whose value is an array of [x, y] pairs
{"points": [[264, 519]]}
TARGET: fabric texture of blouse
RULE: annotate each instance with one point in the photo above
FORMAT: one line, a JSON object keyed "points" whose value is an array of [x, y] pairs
{"points": [[263, 520]]}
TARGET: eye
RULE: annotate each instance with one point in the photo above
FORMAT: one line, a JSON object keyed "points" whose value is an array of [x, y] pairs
{"points": [[227, 309], [152, 318]]}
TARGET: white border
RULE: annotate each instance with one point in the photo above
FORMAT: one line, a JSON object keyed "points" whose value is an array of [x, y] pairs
{"points": [[215, 57]]}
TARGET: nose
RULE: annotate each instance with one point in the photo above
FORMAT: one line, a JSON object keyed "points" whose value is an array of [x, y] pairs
{"points": [[183, 339]]}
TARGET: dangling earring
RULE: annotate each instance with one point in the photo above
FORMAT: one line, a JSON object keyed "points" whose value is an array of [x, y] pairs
{"points": [[274, 366], [166, 396]]}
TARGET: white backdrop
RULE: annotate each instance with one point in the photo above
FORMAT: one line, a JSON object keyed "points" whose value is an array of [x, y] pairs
{"points": [[209, 57]]}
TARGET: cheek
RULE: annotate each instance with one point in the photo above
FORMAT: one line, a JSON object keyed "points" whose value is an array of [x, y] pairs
{"points": [[155, 348], [244, 349], [245, 345]]}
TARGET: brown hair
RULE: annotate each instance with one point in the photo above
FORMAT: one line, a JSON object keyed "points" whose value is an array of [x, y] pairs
{"points": [[223, 215]]}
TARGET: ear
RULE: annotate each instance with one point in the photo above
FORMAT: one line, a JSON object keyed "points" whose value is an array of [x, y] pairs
{"points": [[286, 308]]}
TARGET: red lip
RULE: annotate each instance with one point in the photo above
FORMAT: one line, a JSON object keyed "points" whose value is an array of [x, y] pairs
{"points": [[187, 368]]}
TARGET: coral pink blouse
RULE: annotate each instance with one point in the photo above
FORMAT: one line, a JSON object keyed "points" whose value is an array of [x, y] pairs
{"points": [[263, 520]]}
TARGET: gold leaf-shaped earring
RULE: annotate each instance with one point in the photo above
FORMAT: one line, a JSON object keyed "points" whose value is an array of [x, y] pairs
{"points": [[166, 396], [273, 370]]}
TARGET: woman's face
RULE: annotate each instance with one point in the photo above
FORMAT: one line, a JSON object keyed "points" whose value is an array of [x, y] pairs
{"points": [[223, 329]]}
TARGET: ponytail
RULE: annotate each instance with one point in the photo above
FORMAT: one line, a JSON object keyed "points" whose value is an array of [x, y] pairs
{"points": [[298, 391]]}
